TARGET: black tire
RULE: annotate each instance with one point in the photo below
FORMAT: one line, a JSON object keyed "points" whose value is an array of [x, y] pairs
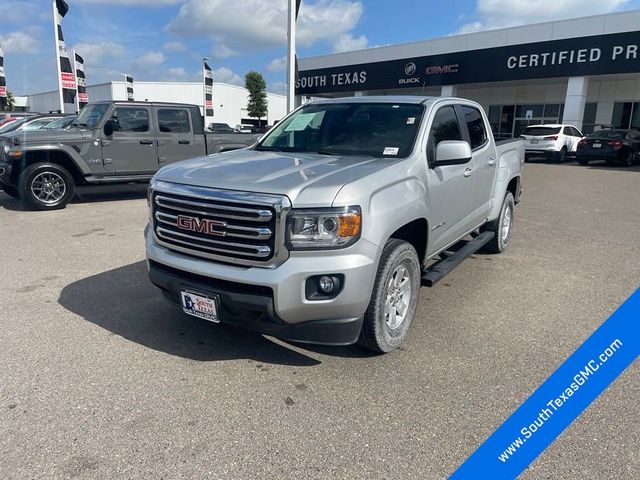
{"points": [[628, 161], [562, 155], [378, 333], [11, 191], [583, 161], [61, 187], [499, 243]]}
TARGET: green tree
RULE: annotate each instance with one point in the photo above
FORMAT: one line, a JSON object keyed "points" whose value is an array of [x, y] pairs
{"points": [[257, 87], [10, 103]]}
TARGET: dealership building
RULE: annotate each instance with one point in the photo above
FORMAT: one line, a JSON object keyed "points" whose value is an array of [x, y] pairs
{"points": [[583, 71], [229, 101]]}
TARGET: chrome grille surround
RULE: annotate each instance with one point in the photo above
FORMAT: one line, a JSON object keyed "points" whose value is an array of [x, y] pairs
{"points": [[248, 228]]}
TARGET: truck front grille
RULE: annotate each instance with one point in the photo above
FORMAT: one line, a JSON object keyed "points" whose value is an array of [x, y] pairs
{"points": [[224, 225]]}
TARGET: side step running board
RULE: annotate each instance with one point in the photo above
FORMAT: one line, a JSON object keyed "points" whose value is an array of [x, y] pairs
{"points": [[440, 269]]}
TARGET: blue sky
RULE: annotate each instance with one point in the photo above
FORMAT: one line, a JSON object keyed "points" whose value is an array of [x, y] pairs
{"points": [[165, 39]]}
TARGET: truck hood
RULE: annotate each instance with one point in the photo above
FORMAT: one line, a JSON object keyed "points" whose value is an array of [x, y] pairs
{"points": [[49, 136], [309, 180]]}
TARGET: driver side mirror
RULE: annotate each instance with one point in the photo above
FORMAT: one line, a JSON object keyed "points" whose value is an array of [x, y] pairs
{"points": [[109, 127], [452, 152]]}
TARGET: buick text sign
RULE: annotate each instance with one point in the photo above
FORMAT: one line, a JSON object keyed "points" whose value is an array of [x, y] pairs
{"points": [[596, 55]]}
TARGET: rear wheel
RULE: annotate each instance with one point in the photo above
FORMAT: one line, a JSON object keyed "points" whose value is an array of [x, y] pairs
{"points": [[562, 155], [11, 191], [46, 186], [501, 226], [583, 161], [394, 299], [628, 161]]}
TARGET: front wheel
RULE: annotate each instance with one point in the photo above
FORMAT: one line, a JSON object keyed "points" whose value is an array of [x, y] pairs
{"points": [[562, 155], [502, 227], [394, 299], [46, 186]]}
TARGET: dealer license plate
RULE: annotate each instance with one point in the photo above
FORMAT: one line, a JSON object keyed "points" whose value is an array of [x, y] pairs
{"points": [[200, 306], [597, 145]]}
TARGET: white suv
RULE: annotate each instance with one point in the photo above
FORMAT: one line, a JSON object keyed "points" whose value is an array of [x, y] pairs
{"points": [[554, 142]]}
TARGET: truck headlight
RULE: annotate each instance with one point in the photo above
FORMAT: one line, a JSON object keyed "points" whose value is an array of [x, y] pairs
{"points": [[323, 228]]}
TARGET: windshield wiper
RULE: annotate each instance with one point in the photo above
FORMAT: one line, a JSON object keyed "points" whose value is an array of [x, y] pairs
{"points": [[325, 151], [263, 148]]}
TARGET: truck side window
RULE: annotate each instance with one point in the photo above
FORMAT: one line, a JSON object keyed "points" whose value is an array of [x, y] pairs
{"points": [[130, 119], [445, 127], [173, 120], [475, 125]]}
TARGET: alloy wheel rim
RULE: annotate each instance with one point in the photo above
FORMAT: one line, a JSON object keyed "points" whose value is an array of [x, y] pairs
{"points": [[507, 220], [48, 187], [396, 305]]}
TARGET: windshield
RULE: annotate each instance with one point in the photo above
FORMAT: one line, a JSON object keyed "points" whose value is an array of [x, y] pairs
{"points": [[9, 127], [612, 134], [36, 124], [372, 129], [91, 115], [542, 131]]}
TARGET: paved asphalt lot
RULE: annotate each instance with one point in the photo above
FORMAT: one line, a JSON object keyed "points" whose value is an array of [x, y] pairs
{"points": [[101, 378]]}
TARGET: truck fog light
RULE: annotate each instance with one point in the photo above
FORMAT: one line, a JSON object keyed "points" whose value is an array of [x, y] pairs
{"points": [[326, 284], [324, 287]]}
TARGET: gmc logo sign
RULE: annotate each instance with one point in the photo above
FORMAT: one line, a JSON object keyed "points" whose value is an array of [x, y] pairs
{"points": [[202, 225]]}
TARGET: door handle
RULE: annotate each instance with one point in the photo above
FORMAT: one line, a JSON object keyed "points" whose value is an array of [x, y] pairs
{"points": [[492, 161], [184, 142], [106, 142], [146, 142], [467, 172]]}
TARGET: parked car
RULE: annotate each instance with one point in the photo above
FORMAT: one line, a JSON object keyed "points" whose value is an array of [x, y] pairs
{"points": [[28, 123], [553, 142], [63, 122], [109, 142], [221, 128], [324, 231], [615, 147]]}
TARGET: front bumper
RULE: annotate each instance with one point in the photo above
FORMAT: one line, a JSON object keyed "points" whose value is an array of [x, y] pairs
{"points": [[273, 300]]}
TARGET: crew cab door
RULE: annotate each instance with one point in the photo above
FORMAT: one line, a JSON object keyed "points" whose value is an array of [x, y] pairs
{"points": [[484, 161], [450, 186], [131, 149], [176, 138]]}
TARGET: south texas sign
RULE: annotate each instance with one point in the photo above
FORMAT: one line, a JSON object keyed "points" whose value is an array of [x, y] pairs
{"points": [[596, 55]]}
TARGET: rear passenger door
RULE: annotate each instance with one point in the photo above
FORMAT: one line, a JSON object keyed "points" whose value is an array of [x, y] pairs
{"points": [[484, 161], [176, 140]]}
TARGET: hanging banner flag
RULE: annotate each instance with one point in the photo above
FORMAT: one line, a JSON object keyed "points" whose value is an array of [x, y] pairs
{"points": [[208, 90], [81, 81], [298, 2], [3, 83], [128, 83], [66, 75]]}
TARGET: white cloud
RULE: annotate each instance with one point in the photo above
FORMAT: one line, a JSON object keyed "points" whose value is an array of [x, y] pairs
{"points": [[177, 73], [226, 75], [174, 46], [255, 24], [507, 13], [348, 43], [18, 42], [150, 59], [133, 3], [97, 52], [278, 64], [277, 87], [222, 51]]}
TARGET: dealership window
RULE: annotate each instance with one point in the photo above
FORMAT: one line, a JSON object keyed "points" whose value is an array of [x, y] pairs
{"points": [[589, 117], [130, 119], [173, 120], [626, 115], [509, 121]]}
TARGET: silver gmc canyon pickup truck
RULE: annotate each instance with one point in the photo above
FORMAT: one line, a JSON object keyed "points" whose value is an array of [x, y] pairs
{"points": [[326, 229], [109, 142]]}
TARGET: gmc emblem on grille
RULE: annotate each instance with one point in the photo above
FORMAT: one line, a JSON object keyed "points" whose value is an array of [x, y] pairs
{"points": [[202, 225]]}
